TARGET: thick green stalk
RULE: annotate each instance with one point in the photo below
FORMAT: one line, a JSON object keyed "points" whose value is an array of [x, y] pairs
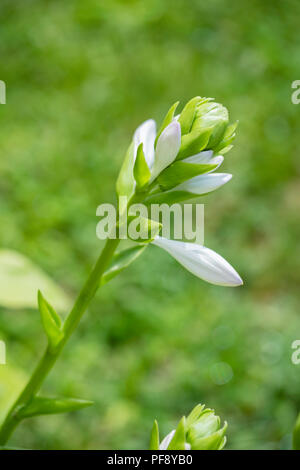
{"points": [[49, 358]]}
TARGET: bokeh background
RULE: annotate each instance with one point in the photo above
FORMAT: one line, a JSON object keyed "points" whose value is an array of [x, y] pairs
{"points": [[156, 341]]}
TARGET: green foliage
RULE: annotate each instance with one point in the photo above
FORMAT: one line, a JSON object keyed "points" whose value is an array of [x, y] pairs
{"points": [[141, 170], [181, 171], [154, 438], [125, 181], [20, 279], [178, 440], [80, 79], [47, 406], [51, 321], [167, 120], [187, 115], [122, 260], [194, 142]]}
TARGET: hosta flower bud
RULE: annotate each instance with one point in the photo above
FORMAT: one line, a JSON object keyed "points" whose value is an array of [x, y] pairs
{"points": [[201, 430], [211, 115], [186, 146], [204, 125]]}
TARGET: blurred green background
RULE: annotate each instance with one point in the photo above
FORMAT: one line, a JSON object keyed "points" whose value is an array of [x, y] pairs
{"points": [[80, 78]]}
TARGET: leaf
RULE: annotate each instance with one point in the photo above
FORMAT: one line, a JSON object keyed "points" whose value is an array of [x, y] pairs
{"points": [[167, 120], [170, 197], [154, 438], [141, 170], [20, 279], [181, 171], [143, 230], [51, 322], [230, 131], [121, 260], [125, 181], [296, 435], [45, 406], [12, 380], [225, 145], [187, 115], [193, 143], [178, 440]]}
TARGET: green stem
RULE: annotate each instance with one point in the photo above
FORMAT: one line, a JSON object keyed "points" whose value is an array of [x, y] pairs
{"points": [[49, 358]]}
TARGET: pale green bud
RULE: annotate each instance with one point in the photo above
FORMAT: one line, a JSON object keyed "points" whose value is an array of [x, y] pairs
{"points": [[214, 116], [201, 430]]}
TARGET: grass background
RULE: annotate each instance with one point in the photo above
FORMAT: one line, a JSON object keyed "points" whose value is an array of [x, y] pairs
{"points": [[80, 77]]}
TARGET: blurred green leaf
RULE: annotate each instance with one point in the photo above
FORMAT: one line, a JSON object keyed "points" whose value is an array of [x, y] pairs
{"points": [[46, 406], [12, 448], [20, 279], [12, 379]]}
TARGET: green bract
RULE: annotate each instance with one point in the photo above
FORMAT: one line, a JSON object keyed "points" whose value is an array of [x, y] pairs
{"points": [[51, 322], [201, 430]]}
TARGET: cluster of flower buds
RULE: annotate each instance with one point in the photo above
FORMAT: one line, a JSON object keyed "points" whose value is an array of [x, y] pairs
{"points": [[201, 430], [177, 164]]}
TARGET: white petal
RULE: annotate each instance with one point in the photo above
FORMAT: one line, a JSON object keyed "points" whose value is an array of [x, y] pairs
{"points": [[146, 134], [204, 160], [202, 157], [166, 441], [201, 261], [203, 184], [167, 148]]}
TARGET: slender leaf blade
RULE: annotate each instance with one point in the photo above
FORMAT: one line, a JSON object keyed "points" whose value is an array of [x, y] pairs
{"points": [[181, 171], [122, 260], [51, 322], [45, 406], [187, 115], [178, 440], [193, 143], [125, 181], [141, 170], [154, 437], [167, 120]]}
